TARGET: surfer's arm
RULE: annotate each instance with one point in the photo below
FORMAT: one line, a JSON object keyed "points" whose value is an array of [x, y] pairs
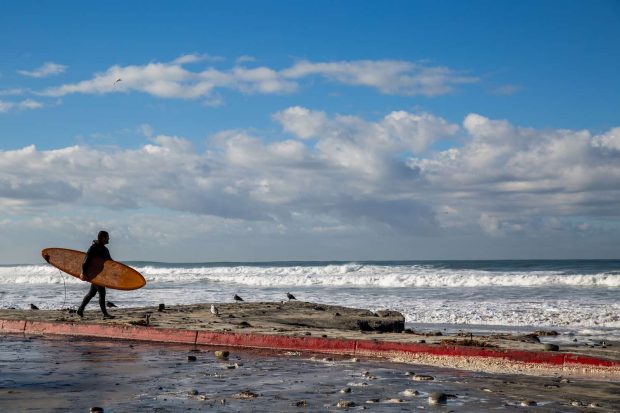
{"points": [[86, 262]]}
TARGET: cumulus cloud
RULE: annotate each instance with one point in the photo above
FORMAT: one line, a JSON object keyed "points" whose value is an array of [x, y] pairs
{"points": [[334, 173], [173, 80], [48, 69]]}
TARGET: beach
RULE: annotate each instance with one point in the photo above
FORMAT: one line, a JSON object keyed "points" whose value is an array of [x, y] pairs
{"points": [[479, 329], [74, 374]]}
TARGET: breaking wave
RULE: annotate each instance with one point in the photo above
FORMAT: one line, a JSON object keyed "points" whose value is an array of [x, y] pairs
{"points": [[343, 275]]}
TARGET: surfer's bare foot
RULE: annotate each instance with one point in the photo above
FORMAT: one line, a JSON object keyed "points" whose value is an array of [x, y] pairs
{"points": [[108, 316], [80, 312]]}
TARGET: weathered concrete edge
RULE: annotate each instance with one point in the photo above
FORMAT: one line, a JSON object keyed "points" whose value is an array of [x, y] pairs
{"points": [[304, 343]]}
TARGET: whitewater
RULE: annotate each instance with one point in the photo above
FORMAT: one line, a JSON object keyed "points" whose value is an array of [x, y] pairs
{"points": [[575, 297]]}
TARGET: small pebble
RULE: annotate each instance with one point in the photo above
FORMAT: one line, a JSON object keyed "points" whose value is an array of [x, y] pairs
{"points": [[411, 392], [393, 401], [594, 404], [346, 390], [373, 401], [343, 404], [301, 403], [422, 377], [437, 398], [191, 358], [247, 394], [96, 409], [551, 347], [222, 354], [355, 360], [193, 392], [526, 403], [410, 373]]}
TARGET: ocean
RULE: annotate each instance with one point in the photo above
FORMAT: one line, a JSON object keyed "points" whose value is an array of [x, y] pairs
{"points": [[573, 297]]}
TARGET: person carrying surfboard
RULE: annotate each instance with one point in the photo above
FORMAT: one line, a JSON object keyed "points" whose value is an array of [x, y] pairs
{"points": [[97, 249]]}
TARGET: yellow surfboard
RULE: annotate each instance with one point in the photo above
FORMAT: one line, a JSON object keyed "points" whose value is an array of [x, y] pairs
{"points": [[104, 273]]}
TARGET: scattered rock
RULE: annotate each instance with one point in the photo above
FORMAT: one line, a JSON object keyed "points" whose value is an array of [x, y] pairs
{"points": [[193, 392], [544, 333], [345, 404], [222, 354], [246, 394], [355, 360], [422, 341], [422, 377], [96, 409], [307, 333], [576, 403], [373, 401], [346, 390], [551, 347], [411, 392], [437, 398], [191, 358], [410, 373], [300, 403], [394, 400], [594, 404], [526, 403], [328, 359]]}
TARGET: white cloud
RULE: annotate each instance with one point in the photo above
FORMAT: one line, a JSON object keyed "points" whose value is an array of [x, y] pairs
{"points": [[12, 92], [195, 58], [48, 69], [26, 104], [172, 80], [392, 77], [354, 173], [245, 59]]}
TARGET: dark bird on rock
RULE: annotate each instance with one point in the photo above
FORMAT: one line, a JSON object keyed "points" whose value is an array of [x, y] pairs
{"points": [[33, 307], [237, 298], [290, 296], [110, 304]]}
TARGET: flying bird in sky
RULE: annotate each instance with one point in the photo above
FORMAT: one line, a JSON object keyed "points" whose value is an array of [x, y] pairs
{"points": [[116, 81]]}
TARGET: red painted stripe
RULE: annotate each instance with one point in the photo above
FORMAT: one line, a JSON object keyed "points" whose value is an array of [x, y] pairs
{"points": [[305, 343], [112, 331], [298, 343], [12, 326]]}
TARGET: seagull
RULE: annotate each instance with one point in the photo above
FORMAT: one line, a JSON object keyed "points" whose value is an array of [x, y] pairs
{"points": [[116, 81], [33, 307], [110, 304], [214, 310], [290, 296], [237, 298]]}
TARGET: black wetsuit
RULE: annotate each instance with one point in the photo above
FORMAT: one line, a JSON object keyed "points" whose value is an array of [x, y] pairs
{"points": [[95, 250]]}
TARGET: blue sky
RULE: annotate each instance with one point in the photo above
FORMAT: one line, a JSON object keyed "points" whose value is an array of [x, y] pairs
{"points": [[330, 130]]}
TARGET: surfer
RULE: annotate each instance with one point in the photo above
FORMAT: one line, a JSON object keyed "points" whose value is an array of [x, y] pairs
{"points": [[97, 249]]}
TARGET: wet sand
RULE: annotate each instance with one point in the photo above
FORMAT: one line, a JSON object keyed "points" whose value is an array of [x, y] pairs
{"points": [[74, 374]]}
